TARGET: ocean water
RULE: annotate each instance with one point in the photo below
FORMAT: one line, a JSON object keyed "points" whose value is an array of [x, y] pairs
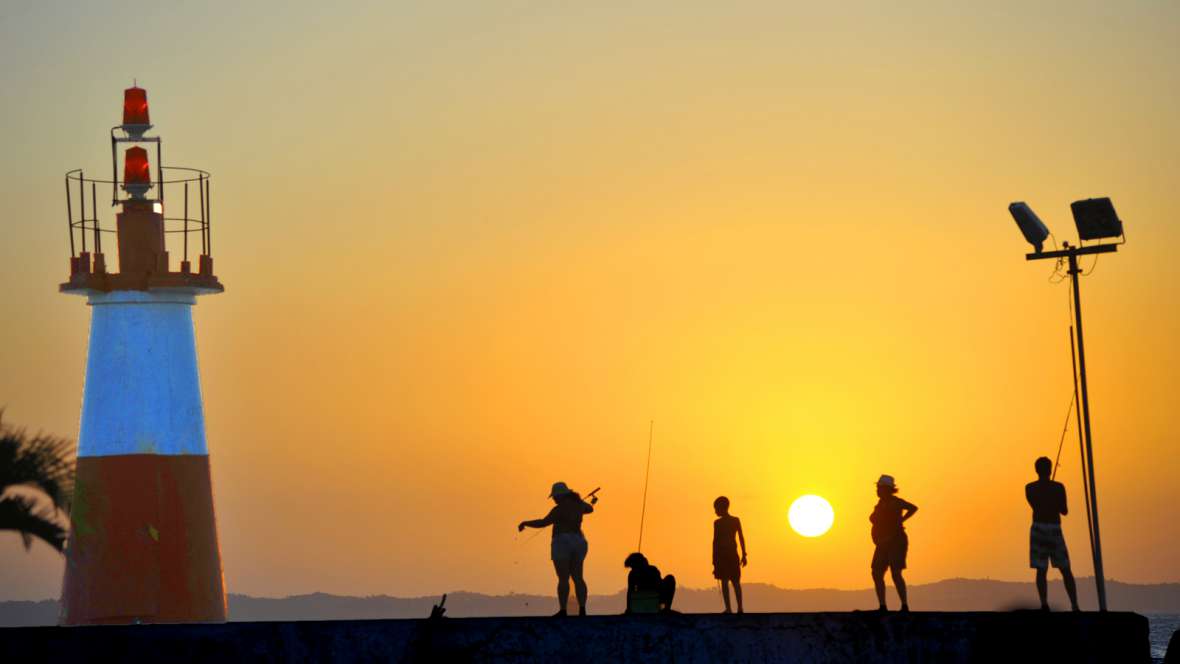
{"points": [[1162, 627]]}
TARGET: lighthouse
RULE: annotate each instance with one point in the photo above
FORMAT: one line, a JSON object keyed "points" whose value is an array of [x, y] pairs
{"points": [[143, 538]]}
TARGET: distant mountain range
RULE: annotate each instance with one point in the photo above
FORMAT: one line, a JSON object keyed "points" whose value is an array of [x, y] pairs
{"points": [[949, 595]]}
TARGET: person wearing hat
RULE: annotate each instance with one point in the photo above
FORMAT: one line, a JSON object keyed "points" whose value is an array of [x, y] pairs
{"points": [[568, 547], [890, 539]]}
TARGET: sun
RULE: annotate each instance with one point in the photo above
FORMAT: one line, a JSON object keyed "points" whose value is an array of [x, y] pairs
{"points": [[811, 516]]}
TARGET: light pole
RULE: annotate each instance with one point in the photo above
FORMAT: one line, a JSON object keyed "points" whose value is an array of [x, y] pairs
{"points": [[1095, 219]]}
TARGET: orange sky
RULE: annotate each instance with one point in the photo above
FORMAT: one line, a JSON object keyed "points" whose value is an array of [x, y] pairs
{"points": [[470, 251]]}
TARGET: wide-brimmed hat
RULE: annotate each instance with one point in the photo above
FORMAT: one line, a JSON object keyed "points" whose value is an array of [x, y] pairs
{"points": [[886, 480], [559, 489]]}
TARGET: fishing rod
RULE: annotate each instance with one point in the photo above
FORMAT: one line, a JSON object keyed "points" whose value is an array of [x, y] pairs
{"points": [[1073, 400], [1061, 443], [540, 530], [646, 478], [1073, 360]]}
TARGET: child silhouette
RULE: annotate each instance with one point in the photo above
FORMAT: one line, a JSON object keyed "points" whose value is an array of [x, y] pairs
{"points": [[727, 568]]}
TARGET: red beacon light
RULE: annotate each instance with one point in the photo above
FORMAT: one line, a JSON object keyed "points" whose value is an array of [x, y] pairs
{"points": [[137, 173], [135, 112]]}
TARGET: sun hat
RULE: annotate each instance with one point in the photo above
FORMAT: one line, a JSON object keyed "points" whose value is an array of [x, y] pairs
{"points": [[886, 480], [559, 489]]}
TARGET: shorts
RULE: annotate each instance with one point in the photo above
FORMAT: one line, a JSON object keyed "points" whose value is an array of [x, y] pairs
{"points": [[1046, 544], [568, 546], [891, 554], [727, 565]]}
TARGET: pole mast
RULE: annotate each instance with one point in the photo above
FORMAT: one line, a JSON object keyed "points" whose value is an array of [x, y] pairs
{"points": [[1074, 274]]}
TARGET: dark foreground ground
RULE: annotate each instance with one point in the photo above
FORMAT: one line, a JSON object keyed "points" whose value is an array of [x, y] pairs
{"points": [[776, 637]]}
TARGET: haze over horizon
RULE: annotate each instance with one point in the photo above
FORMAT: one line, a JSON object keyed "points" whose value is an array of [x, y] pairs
{"points": [[470, 250]]}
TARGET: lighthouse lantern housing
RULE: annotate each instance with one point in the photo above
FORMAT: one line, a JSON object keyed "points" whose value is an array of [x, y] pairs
{"points": [[137, 173], [161, 223], [135, 112]]}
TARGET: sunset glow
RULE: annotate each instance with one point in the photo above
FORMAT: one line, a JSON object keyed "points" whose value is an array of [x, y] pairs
{"points": [[473, 249]]}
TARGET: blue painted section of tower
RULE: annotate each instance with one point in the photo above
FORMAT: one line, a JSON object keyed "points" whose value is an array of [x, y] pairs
{"points": [[143, 392]]}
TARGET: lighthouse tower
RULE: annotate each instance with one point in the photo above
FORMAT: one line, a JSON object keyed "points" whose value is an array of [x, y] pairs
{"points": [[143, 539]]}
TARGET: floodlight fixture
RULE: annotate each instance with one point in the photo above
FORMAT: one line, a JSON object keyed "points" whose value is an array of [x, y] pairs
{"points": [[1030, 224], [1096, 219]]}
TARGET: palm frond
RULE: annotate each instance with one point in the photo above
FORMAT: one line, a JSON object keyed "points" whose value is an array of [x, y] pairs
{"points": [[39, 461], [20, 513]]}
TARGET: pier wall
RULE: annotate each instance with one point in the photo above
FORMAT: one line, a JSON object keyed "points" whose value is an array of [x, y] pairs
{"points": [[767, 637]]}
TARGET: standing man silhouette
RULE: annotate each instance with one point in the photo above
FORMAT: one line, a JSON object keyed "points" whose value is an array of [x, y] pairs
{"points": [[1046, 543], [890, 539]]}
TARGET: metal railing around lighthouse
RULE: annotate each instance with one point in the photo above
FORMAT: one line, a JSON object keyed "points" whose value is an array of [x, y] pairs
{"points": [[187, 214]]}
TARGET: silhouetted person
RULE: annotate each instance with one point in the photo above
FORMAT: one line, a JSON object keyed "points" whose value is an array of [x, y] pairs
{"points": [[568, 547], [1046, 543], [645, 584], [1172, 654], [727, 567], [890, 539]]}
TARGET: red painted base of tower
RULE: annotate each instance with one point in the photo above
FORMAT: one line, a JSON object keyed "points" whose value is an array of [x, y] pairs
{"points": [[143, 545]]}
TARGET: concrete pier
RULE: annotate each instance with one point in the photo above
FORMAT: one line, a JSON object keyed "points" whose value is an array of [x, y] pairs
{"points": [[767, 637]]}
